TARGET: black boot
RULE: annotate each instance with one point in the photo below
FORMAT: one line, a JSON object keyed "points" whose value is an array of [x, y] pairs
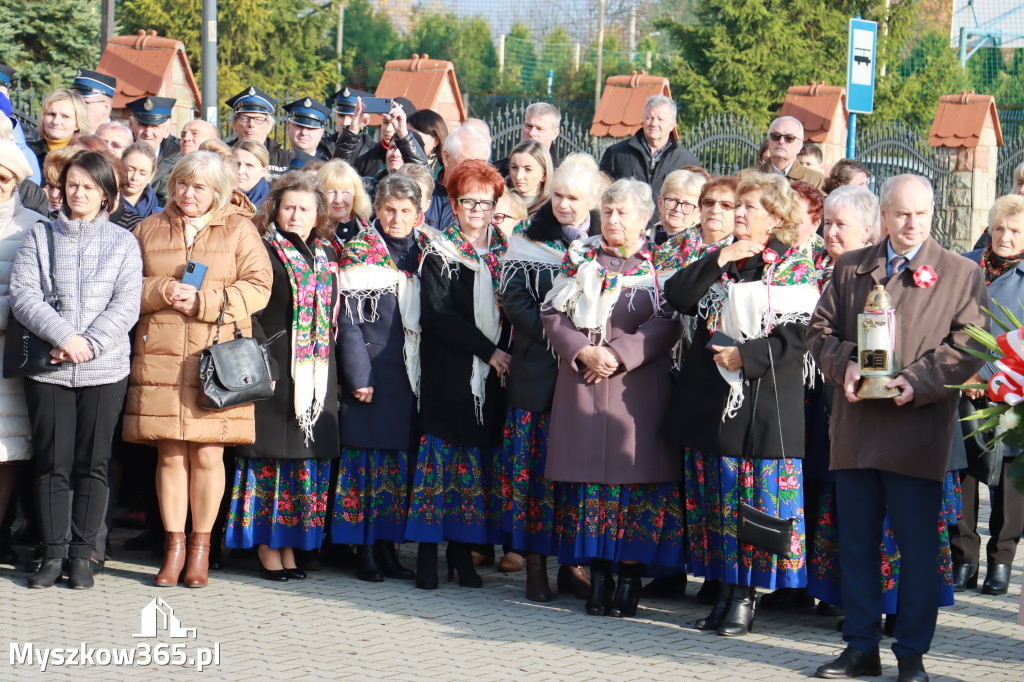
{"points": [[46, 576], [426, 566], [708, 592], [602, 586], [80, 574], [668, 587], [965, 577], [714, 619], [7, 554], [387, 558], [460, 558], [997, 581], [627, 593], [366, 567], [739, 619]]}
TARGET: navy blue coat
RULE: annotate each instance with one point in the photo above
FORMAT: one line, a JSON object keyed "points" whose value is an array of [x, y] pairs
{"points": [[371, 354]]}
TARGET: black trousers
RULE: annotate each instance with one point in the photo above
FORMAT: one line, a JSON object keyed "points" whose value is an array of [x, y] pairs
{"points": [[1005, 523], [72, 431]]}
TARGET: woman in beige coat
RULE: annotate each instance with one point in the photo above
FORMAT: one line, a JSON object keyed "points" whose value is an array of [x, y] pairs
{"points": [[201, 223]]}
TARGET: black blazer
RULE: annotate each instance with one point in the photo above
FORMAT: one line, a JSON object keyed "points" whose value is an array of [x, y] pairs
{"points": [[277, 431], [448, 343], [372, 354], [694, 418], [531, 382]]}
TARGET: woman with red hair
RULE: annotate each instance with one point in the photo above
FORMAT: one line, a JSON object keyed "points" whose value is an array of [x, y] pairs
{"points": [[462, 404]]}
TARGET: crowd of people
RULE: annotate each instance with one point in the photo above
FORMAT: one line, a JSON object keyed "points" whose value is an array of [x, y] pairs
{"points": [[614, 363]]}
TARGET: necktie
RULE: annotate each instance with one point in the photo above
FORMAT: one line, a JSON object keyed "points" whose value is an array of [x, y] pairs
{"points": [[896, 265]]}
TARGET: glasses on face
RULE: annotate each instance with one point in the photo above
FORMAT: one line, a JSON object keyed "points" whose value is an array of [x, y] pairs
{"points": [[708, 202], [685, 207], [499, 218], [473, 204], [775, 137], [247, 120]]}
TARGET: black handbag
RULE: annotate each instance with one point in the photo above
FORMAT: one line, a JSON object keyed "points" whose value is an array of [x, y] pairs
{"points": [[24, 352], [235, 372], [984, 460]]}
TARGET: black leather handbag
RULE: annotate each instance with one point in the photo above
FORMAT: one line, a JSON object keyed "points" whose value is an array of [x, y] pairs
{"points": [[24, 352], [235, 372]]}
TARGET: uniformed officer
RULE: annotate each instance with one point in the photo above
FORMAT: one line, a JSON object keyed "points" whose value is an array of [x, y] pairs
{"points": [[344, 110], [97, 89], [151, 123], [306, 121], [252, 117]]}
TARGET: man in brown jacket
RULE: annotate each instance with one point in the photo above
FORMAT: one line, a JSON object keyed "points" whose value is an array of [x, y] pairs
{"points": [[785, 140], [892, 454]]}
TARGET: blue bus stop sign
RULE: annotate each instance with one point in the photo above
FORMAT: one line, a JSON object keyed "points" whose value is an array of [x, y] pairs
{"points": [[860, 69]]}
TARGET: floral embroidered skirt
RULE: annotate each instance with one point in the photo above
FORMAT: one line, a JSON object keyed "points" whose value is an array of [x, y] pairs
{"points": [[371, 499], [824, 580], [279, 503], [455, 494], [715, 487], [528, 499], [640, 522]]}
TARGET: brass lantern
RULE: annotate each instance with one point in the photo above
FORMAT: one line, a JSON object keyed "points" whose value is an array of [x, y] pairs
{"points": [[878, 350]]}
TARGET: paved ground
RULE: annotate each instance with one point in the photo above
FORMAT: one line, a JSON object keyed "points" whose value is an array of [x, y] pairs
{"points": [[333, 626]]}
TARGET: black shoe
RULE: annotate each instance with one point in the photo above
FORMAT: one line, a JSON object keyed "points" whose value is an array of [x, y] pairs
{"points": [[781, 599], [8, 557], [387, 558], [714, 619], [602, 587], [669, 587], [912, 669], [627, 597], [739, 617], [367, 569], [826, 609], [279, 576], [295, 573], [426, 566], [47, 575], [460, 559], [80, 574], [708, 593], [965, 577], [851, 663], [997, 580]]}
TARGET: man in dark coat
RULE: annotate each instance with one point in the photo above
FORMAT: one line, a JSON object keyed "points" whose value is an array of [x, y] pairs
{"points": [[252, 118], [151, 123], [540, 122], [305, 127], [891, 454], [344, 110], [653, 152], [785, 140]]}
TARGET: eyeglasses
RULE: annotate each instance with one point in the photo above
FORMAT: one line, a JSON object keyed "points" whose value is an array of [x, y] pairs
{"points": [[247, 120], [684, 206], [708, 202], [775, 137], [499, 218], [473, 204]]}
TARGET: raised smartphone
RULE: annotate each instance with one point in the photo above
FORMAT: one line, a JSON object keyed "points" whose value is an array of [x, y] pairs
{"points": [[194, 274], [377, 105]]}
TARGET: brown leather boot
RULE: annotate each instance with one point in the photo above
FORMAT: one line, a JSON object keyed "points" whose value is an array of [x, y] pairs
{"points": [[537, 586], [197, 563], [573, 580], [174, 559]]}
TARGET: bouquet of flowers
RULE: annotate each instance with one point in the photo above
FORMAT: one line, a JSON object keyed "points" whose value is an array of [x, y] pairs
{"points": [[1005, 389]]}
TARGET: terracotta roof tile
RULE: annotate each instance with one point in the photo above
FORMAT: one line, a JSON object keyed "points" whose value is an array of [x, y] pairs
{"points": [[620, 112], [141, 64], [960, 120], [421, 80], [815, 107]]}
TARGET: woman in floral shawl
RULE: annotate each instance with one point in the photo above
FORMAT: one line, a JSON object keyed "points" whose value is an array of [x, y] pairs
{"points": [[618, 482], [379, 359], [462, 403], [737, 408], [282, 481]]}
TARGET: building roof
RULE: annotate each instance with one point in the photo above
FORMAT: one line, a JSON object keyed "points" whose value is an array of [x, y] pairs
{"points": [[815, 106], [141, 63], [961, 118], [621, 110], [427, 83]]}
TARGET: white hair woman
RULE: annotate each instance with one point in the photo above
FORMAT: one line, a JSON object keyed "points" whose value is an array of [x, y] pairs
{"points": [[201, 224], [605, 317]]}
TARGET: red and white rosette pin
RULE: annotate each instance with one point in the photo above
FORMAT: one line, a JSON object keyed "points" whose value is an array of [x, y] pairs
{"points": [[925, 277]]}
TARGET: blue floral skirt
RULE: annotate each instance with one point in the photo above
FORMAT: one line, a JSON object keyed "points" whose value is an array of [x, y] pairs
{"points": [[528, 499], [824, 580], [640, 522], [715, 487], [278, 502], [455, 494], [371, 499]]}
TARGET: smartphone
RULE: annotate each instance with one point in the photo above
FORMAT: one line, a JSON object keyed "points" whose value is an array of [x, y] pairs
{"points": [[377, 105], [194, 274], [721, 340]]}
